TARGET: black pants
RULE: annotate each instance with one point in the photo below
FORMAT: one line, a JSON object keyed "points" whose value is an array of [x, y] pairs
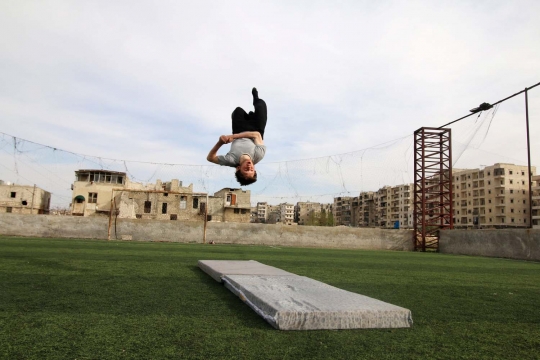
{"points": [[254, 121]]}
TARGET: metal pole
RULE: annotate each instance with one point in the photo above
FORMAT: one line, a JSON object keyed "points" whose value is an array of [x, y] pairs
{"points": [[110, 217], [529, 176], [32, 206], [205, 218]]}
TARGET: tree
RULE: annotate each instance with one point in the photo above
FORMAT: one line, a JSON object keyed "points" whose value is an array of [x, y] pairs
{"points": [[323, 220], [330, 221]]}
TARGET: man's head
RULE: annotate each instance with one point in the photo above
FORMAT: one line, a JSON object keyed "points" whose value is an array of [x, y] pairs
{"points": [[245, 172]]}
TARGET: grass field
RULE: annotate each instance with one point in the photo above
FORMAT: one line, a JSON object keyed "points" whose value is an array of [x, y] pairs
{"points": [[82, 299]]}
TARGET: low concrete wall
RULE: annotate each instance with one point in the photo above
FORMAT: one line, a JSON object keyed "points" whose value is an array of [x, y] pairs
{"points": [[522, 244], [192, 232]]}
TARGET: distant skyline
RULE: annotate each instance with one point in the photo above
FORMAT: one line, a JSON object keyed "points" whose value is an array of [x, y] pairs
{"points": [[158, 82]]}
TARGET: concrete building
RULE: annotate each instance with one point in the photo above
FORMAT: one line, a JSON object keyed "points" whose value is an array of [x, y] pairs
{"points": [[160, 201], [236, 205], [343, 210], [262, 214], [306, 213], [365, 214], [389, 207], [273, 214], [493, 197], [93, 191], [286, 213], [23, 199], [382, 207], [401, 207]]}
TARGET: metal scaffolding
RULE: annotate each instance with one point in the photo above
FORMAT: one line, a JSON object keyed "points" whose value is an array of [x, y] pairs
{"points": [[432, 186]]}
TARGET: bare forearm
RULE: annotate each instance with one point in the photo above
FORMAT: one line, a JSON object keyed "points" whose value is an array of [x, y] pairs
{"points": [[212, 155], [255, 135]]}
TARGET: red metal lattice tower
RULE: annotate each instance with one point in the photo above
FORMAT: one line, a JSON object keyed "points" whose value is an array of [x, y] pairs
{"points": [[432, 186]]}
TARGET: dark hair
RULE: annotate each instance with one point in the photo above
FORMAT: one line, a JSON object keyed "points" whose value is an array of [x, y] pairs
{"points": [[245, 181]]}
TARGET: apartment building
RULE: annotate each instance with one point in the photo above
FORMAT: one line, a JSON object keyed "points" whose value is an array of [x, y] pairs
{"points": [[273, 215], [493, 197], [401, 206], [23, 199], [262, 214], [536, 201], [382, 207], [286, 213], [365, 213], [342, 210], [305, 213], [388, 207]]}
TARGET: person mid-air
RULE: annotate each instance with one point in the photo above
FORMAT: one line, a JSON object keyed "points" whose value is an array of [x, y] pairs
{"points": [[247, 147]]}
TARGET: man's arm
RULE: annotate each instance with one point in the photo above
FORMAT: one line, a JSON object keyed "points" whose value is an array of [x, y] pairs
{"points": [[255, 135], [212, 155]]}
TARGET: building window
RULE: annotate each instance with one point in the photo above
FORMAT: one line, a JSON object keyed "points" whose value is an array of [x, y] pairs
{"points": [[13, 194], [244, 211], [489, 201], [237, 211], [183, 202], [164, 208], [489, 210], [512, 201], [92, 198], [512, 219], [138, 216], [9, 209], [511, 210], [195, 203], [174, 217], [24, 202], [511, 191], [147, 207], [510, 172], [511, 181]]}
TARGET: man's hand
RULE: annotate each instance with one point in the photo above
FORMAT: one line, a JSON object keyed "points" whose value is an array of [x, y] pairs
{"points": [[225, 139]]}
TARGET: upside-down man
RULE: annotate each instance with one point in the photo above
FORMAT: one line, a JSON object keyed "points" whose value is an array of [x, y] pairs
{"points": [[247, 147]]}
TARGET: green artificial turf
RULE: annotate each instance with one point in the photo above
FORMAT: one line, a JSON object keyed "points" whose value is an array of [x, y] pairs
{"points": [[83, 299]]}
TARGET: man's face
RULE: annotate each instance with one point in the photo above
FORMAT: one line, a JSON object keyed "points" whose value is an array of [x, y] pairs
{"points": [[247, 169]]}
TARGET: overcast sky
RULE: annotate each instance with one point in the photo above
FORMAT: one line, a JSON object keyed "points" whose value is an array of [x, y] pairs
{"points": [[157, 81]]}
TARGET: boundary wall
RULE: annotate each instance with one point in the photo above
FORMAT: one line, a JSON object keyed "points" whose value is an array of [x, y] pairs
{"points": [[192, 232], [520, 244]]}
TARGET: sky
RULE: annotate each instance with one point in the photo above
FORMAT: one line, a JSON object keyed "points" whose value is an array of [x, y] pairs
{"points": [[157, 81]]}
